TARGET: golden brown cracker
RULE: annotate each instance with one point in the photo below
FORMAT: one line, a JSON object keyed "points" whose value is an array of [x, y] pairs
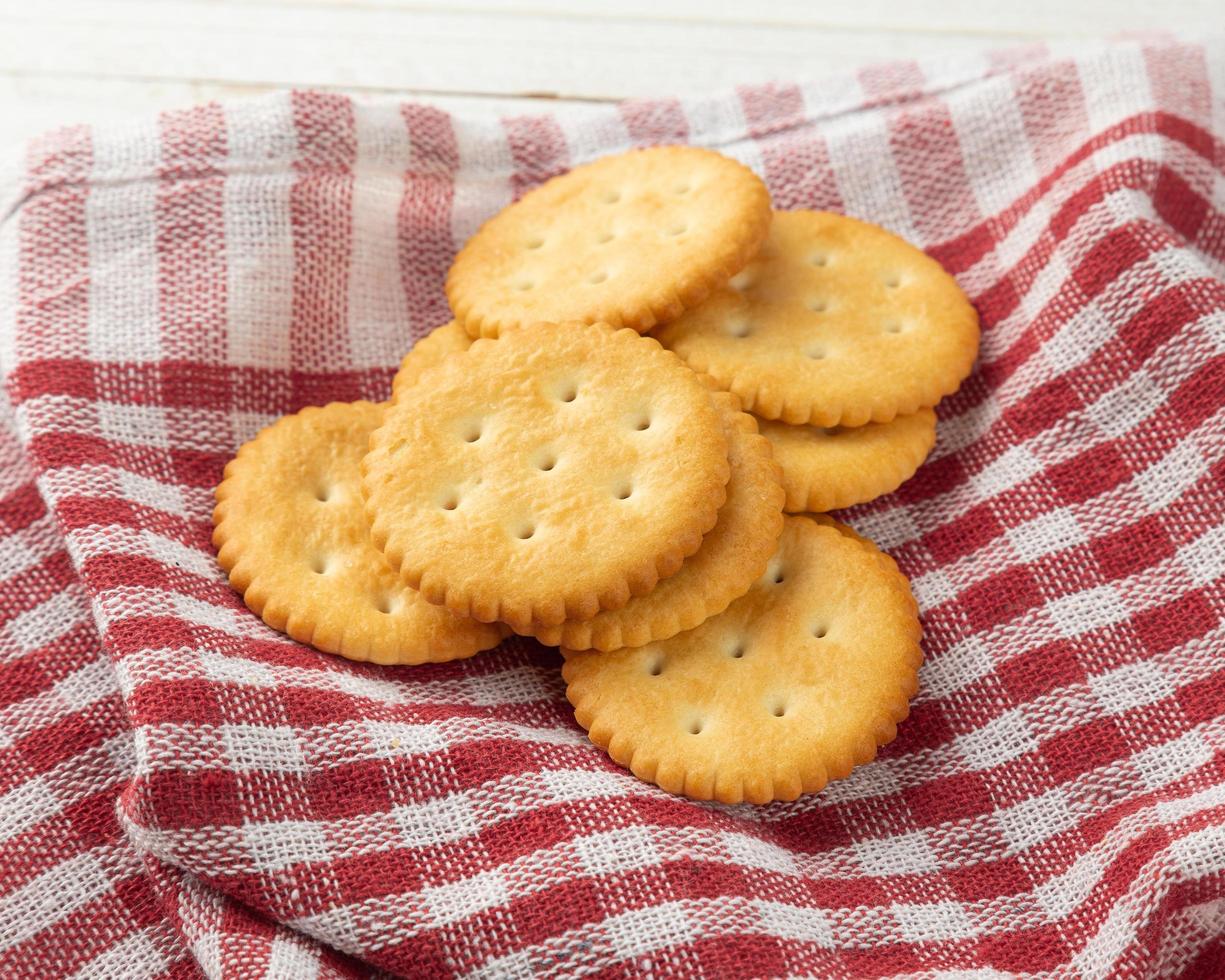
{"points": [[794, 684], [291, 534], [834, 322], [831, 468], [450, 338], [630, 240], [550, 474], [733, 554]]}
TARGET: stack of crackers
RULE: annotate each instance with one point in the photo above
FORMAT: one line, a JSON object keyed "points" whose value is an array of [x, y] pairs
{"points": [[544, 468]]}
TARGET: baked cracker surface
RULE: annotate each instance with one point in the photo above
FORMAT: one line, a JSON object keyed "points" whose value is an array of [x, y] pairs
{"points": [[793, 685], [547, 475], [733, 553], [831, 468], [630, 240], [834, 322], [291, 534], [450, 338]]}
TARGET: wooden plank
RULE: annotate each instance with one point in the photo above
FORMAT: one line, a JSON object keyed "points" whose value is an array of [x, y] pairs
{"points": [[1032, 19], [440, 52], [74, 60]]}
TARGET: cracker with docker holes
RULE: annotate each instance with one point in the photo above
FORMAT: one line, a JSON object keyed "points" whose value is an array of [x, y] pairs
{"points": [[732, 554], [828, 469], [835, 322], [630, 240], [793, 685], [552, 473], [292, 536], [578, 482]]}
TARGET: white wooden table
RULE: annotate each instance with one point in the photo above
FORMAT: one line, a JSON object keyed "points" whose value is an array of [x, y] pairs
{"points": [[65, 61]]}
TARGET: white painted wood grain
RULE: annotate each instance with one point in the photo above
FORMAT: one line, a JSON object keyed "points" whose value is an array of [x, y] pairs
{"points": [[97, 60], [1031, 19], [436, 51]]}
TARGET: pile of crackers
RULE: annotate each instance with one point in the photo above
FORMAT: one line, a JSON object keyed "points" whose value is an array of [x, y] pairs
{"points": [[654, 505]]}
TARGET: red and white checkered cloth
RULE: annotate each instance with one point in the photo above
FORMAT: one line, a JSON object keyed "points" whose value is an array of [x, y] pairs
{"points": [[183, 790]]}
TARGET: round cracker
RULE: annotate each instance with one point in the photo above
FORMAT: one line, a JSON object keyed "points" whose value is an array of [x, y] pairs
{"points": [[292, 536], [549, 474], [732, 555], [831, 468], [630, 240], [450, 338], [834, 322], [793, 685]]}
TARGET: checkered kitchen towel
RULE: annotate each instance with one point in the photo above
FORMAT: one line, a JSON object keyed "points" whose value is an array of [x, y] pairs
{"points": [[182, 790]]}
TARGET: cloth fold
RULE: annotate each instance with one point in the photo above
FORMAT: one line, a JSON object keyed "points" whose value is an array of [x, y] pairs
{"points": [[187, 792]]}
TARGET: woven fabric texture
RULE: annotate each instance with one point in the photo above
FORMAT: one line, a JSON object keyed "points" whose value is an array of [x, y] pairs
{"points": [[185, 791]]}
